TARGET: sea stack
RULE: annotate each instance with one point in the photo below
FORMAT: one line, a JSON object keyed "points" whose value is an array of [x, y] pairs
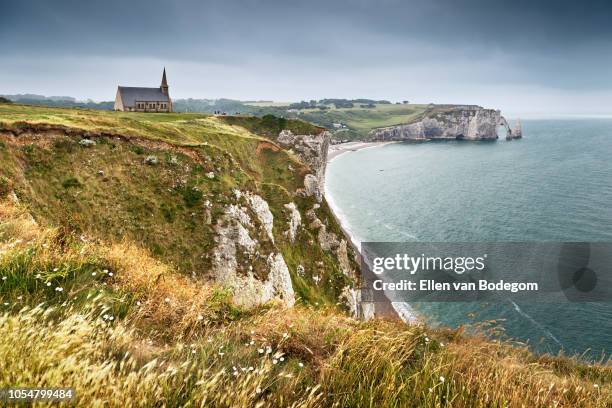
{"points": [[516, 132]]}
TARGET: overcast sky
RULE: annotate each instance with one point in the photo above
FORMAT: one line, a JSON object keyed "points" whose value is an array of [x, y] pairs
{"points": [[524, 57]]}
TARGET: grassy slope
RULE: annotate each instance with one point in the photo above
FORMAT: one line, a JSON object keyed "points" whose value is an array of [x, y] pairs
{"points": [[361, 121], [127, 330], [108, 192], [126, 325]]}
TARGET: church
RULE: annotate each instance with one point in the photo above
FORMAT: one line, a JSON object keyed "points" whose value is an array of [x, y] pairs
{"points": [[136, 99]]}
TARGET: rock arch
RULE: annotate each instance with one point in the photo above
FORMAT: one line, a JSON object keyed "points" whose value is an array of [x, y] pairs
{"points": [[511, 133]]}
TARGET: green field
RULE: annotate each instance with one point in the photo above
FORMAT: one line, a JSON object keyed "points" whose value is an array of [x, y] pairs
{"points": [[361, 121]]}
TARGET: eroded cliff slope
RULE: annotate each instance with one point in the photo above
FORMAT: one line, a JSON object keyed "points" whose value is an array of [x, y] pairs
{"points": [[221, 203]]}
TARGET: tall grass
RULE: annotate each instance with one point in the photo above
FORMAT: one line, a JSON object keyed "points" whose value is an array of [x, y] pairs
{"points": [[127, 330]]}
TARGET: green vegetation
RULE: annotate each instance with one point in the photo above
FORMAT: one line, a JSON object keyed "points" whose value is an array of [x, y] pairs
{"points": [[127, 330], [5, 186], [271, 126], [359, 122], [111, 191], [108, 292]]}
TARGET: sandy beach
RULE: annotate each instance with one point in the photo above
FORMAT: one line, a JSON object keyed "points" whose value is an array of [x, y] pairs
{"points": [[338, 149], [396, 309]]}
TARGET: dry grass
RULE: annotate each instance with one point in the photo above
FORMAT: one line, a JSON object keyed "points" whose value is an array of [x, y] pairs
{"points": [[16, 224], [174, 341], [165, 299]]}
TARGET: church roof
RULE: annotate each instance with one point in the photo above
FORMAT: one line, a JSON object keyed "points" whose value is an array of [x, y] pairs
{"points": [[130, 94], [164, 82]]}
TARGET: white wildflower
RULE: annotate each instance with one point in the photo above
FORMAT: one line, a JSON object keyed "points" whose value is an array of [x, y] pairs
{"points": [[441, 378]]}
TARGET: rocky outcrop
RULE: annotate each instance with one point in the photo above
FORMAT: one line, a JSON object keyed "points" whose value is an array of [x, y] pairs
{"points": [[330, 242], [295, 221], [516, 132], [443, 122], [357, 307], [261, 208], [311, 150], [237, 250]]}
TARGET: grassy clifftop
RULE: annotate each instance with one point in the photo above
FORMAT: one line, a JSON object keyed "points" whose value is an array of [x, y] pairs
{"points": [[162, 181], [104, 264]]}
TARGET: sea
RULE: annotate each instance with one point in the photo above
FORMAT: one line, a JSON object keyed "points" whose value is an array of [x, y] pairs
{"points": [[554, 185]]}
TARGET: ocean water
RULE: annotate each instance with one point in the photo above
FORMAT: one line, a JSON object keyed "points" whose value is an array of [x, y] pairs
{"points": [[553, 185]]}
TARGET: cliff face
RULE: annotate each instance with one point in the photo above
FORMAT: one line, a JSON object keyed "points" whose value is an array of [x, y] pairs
{"points": [[234, 209], [457, 122], [311, 150]]}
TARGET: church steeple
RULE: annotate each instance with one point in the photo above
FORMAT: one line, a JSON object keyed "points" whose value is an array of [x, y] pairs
{"points": [[164, 83]]}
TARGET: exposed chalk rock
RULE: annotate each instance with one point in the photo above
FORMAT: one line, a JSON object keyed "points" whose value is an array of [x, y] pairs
{"points": [[151, 160], [300, 270], [233, 242], [261, 208], [295, 221], [357, 308], [449, 122], [517, 131], [87, 143], [312, 187], [280, 279], [311, 150]]}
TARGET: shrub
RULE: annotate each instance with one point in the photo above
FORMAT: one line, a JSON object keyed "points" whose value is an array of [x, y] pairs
{"points": [[192, 196], [5, 186], [71, 182], [168, 212], [138, 150]]}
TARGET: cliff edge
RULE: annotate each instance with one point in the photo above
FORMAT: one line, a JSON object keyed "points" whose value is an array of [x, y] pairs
{"points": [[450, 122]]}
